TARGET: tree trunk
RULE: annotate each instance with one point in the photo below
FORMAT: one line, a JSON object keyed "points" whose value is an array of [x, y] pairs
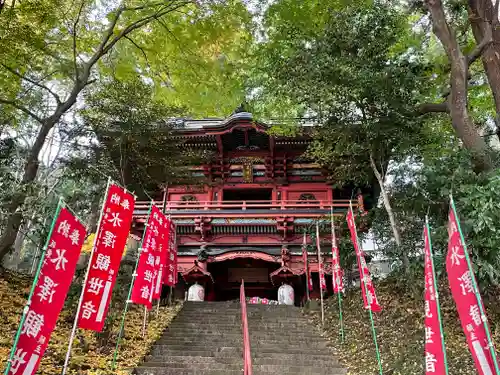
{"points": [[484, 22], [95, 211], [390, 213], [30, 171], [461, 121]]}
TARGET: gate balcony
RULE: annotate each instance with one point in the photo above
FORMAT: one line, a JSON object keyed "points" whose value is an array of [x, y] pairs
{"points": [[249, 209]]}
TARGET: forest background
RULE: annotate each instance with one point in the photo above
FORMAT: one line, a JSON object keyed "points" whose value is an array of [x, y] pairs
{"points": [[406, 92]]}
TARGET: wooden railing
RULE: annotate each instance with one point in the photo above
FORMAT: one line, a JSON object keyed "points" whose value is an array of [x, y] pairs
{"points": [[247, 357], [244, 205]]}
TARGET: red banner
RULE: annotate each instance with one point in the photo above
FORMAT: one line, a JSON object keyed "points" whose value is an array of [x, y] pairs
{"points": [[171, 265], [306, 265], [164, 228], [367, 289], [337, 280], [434, 351], [56, 274], [146, 277], [321, 271], [111, 239], [461, 284]]}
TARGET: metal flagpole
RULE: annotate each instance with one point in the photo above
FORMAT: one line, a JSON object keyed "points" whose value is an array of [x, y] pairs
{"points": [[374, 332], [339, 294], [60, 205], [75, 323], [428, 229], [476, 290], [319, 272], [134, 275]]}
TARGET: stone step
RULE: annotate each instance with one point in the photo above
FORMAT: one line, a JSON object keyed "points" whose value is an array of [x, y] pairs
{"points": [[257, 351], [221, 341], [146, 370], [318, 361], [197, 333], [254, 343], [206, 339], [256, 366], [237, 318]]}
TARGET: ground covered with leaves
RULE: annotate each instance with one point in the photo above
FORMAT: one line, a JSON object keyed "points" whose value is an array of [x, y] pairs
{"points": [[92, 352], [400, 331]]}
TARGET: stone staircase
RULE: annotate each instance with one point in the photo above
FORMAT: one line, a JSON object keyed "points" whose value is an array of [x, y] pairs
{"points": [[206, 339]]}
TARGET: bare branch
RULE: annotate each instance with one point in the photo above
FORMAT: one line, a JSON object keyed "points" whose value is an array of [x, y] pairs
{"points": [[16, 73], [22, 109], [433, 108], [75, 26]]}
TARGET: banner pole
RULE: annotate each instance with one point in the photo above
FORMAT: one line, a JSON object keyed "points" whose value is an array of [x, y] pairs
{"points": [[319, 275], [340, 318], [428, 229], [80, 300], [144, 322], [146, 310], [476, 290], [306, 266], [334, 243], [160, 276], [374, 332], [60, 205], [134, 275]]}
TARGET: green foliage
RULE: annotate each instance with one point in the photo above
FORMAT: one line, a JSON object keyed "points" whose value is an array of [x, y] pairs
{"points": [[134, 137], [400, 330], [348, 74], [421, 188]]}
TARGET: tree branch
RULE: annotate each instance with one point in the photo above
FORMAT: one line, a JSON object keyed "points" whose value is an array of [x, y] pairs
{"points": [[478, 50], [107, 45], [433, 108], [75, 25], [38, 84], [140, 49], [22, 109]]}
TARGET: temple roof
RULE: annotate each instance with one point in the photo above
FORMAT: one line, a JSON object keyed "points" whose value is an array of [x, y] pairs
{"points": [[208, 124]]}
